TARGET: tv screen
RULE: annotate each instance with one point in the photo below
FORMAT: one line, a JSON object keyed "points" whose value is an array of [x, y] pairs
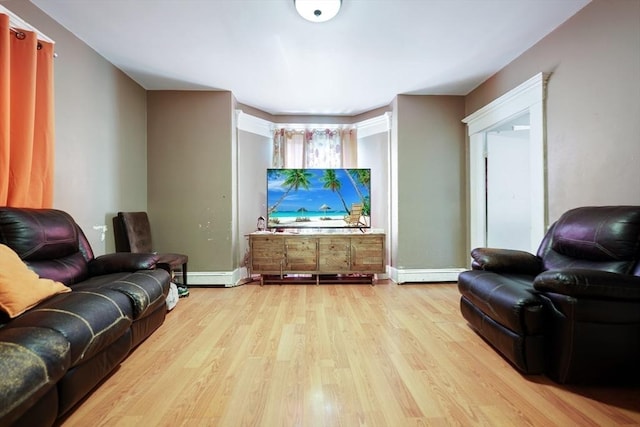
{"points": [[318, 198]]}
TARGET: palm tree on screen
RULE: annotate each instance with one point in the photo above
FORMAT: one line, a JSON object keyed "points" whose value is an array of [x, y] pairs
{"points": [[331, 182], [361, 178], [293, 180]]}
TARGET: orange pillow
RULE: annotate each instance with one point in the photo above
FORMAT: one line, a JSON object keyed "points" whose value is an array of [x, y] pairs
{"points": [[21, 288]]}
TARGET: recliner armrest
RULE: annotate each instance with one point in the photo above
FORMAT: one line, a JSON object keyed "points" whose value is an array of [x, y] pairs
{"points": [[580, 282], [122, 261], [506, 261]]}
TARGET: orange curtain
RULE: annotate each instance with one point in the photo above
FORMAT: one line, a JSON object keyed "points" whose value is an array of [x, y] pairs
{"points": [[26, 118]]}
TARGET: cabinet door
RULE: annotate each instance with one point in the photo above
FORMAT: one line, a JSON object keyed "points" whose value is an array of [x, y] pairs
{"points": [[267, 254], [334, 254], [301, 254], [367, 254]]}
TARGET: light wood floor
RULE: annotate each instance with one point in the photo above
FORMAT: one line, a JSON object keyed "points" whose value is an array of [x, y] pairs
{"points": [[334, 355]]}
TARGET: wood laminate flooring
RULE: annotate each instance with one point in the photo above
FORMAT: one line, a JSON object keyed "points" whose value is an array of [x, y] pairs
{"points": [[334, 355]]}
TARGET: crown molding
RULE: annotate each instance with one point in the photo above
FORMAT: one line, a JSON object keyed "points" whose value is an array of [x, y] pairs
{"points": [[249, 123], [253, 124], [511, 103], [374, 126]]}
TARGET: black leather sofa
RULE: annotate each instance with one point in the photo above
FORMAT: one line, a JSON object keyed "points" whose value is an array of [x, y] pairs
{"points": [[55, 353], [572, 311]]}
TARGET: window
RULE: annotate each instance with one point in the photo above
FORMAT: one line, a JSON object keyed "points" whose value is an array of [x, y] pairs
{"points": [[315, 148]]}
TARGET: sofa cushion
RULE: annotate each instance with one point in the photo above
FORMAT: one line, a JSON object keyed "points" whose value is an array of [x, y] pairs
{"points": [[147, 289], [603, 233], [508, 299], [48, 240], [605, 238], [21, 288], [90, 320], [32, 360], [38, 234], [68, 270]]}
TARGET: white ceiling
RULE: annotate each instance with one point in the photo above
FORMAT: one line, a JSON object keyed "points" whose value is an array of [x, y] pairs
{"points": [[273, 60]]}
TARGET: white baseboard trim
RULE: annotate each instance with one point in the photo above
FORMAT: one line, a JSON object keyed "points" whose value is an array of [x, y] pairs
{"points": [[405, 275], [215, 278], [227, 279], [240, 276]]}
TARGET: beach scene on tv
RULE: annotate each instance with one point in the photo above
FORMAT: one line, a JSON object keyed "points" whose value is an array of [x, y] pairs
{"points": [[318, 198]]}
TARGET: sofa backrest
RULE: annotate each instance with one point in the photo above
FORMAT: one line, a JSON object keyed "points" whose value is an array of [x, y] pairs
{"points": [[596, 237], [48, 240]]}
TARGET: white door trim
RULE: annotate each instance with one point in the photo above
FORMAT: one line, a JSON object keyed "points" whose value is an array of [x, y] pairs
{"points": [[529, 96]]}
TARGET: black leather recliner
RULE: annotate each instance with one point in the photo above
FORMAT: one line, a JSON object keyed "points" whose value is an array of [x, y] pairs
{"points": [[572, 311], [54, 354]]}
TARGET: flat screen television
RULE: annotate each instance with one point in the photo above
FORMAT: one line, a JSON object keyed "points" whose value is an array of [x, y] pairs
{"points": [[318, 198]]}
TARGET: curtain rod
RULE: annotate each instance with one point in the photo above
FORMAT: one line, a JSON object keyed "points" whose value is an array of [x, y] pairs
{"points": [[16, 23], [314, 126]]}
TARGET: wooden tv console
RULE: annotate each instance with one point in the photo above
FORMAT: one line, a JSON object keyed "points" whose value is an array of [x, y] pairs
{"points": [[322, 257]]}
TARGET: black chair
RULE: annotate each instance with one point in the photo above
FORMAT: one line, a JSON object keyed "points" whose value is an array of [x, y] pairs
{"points": [[571, 311], [132, 232]]}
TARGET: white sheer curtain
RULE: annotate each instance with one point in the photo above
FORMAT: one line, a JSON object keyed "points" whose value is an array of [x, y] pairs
{"points": [[315, 148]]}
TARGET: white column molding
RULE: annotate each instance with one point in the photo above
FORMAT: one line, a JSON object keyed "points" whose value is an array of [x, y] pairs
{"points": [[374, 126], [477, 190], [513, 102], [527, 97], [253, 124]]}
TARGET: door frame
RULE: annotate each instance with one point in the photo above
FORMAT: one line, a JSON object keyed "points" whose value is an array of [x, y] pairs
{"points": [[528, 96]]}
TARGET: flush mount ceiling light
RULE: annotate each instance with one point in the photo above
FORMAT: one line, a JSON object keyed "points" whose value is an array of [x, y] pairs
{"points": [[317, 10]]}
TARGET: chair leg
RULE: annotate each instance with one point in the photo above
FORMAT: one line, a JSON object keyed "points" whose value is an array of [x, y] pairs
{"points": [[184, 274]]}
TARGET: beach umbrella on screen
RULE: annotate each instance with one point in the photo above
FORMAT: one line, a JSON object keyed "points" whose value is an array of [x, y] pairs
{"points": [[304, 217], [325, 208]]}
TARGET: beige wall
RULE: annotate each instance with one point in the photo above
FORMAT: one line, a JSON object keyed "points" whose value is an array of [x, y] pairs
{"points": [[191, 191], [101, 154], [100, 119], [429, 181], [593, 104]]}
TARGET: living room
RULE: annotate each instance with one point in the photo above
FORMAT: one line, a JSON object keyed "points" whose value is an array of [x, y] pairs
{"points": [[103, 115], [117, 146]]}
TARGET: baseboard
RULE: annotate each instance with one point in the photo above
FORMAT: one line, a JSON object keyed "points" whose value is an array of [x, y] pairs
{"points": [[225, 279], [240, 276], [406, 275]]}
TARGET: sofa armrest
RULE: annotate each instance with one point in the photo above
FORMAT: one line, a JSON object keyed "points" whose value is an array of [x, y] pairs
{"points": [[34, 360], [578, 282], [122, 261], [506, 261]]}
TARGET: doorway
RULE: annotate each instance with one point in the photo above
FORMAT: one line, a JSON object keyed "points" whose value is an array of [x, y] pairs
{"points": [[529, 211], [508, 185]]}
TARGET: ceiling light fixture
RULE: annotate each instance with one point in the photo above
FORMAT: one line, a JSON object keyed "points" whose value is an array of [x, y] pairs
{"points": [[317, 10]]}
